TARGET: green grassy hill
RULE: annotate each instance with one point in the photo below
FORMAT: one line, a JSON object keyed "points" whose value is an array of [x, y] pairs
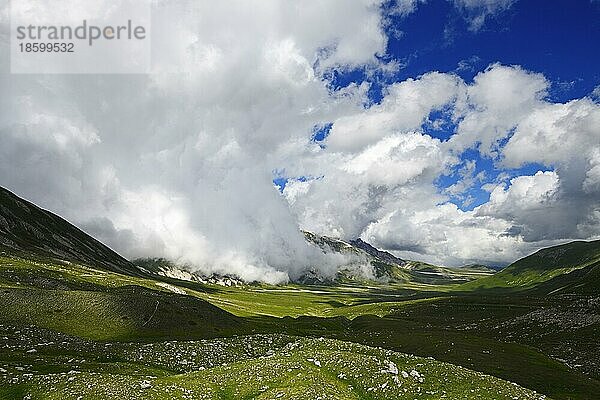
{"points": [[583, 281], [249, 367], [102, 305], [542, 266]]}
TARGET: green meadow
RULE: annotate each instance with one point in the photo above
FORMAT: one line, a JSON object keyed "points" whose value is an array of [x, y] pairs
{"points": [[70, 330]]}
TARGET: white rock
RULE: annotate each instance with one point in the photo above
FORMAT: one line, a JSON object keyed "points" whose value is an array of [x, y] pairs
{"points": [[391, 369], [145, 385], [415, 374]]}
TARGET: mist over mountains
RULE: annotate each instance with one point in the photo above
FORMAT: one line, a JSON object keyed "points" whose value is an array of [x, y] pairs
{"points": [[31, 232]]}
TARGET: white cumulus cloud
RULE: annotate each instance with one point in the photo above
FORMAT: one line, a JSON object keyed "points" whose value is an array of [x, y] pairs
{"points": [[179, 163]]}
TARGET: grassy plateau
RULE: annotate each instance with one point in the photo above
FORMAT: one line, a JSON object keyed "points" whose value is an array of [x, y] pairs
{"points": [[69, 330]]}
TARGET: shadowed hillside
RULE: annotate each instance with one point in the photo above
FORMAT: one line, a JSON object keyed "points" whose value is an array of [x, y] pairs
{"points": [[29, 231]]}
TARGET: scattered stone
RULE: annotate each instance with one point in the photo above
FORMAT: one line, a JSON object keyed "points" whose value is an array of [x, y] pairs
{"points": [[145, 385]]}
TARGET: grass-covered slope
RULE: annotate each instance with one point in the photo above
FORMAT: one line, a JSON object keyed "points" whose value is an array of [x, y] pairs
{"points": [[27, 230], [37, 364], [583, 281], [104, 305], [542, 266]]}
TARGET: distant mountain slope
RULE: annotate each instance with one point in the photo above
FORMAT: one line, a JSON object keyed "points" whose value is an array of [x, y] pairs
{"points": [[570, 255], [169, 269], [545, 265], [383, 256], [29, 231], [482, 268], [386, 267]]}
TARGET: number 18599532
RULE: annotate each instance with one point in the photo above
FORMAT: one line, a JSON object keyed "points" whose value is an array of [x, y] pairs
{"points": [[34, 47]]}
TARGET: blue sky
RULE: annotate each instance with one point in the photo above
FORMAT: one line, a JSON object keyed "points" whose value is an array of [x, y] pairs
{"points": [[558, 39]]}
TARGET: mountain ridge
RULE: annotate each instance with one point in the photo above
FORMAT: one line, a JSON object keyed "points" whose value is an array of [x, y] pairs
{"points": [[375, 252], [31, 231], [550, 264]]}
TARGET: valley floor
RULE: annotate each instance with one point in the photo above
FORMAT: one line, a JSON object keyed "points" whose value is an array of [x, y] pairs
{"points": [[68, 330]]}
